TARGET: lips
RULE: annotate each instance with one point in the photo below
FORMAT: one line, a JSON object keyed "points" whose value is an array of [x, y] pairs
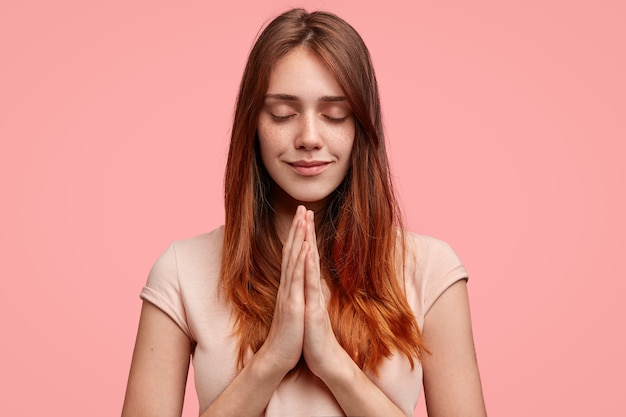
{"points": [[309, 168]]}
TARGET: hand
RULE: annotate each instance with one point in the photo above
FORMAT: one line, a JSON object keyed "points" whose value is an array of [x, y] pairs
{"points": [[321, 348], [285, 338]]}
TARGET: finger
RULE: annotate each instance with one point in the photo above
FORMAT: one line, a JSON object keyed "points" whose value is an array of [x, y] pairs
{"points": [[296, 289], [290, 256], [290, 237], [311, 235], [292, 228], [290, 259], [313, 293], [296, 243], [312, 270]]}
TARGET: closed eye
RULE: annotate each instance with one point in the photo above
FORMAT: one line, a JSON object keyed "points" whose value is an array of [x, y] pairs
{"points": [[335, 119], [278, 118]]}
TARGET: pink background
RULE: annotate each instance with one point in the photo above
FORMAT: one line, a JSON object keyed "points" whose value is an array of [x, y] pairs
{"points": [[507, 131]]}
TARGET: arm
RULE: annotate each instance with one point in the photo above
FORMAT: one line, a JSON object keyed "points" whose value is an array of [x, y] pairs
{"points": [[352, 388], [158, 372], [355, 392], [251, 390], [451, 379], [160, 364]]}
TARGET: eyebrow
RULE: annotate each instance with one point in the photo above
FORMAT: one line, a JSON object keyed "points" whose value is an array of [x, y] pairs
{"points": [[289, 97]]}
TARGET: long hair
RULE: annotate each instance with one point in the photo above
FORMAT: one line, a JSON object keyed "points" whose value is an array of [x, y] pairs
{"points": [[360, 227]]}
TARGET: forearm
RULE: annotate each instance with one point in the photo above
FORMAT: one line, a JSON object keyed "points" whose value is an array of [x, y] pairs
{"points": [[356, 393], [250, 391]]}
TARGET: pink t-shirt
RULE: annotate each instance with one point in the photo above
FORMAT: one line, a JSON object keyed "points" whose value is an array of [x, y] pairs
{"points": [[184, 284]]}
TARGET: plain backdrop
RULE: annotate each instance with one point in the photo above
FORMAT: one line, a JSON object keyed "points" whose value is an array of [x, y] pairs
{"points": [[506, 129]]}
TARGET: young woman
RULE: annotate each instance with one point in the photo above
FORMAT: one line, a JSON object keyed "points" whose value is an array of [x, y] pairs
{"points": [[311, 299]]}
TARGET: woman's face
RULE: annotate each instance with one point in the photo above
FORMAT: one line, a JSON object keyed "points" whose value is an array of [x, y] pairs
{"points": [[305, 128]]}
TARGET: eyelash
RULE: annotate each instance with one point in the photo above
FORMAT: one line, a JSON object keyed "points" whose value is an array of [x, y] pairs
{"points": [[336, 119], [282, 118], [289, 116]]}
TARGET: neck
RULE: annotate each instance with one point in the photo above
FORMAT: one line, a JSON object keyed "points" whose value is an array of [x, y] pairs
{"points": [[285, 208]]}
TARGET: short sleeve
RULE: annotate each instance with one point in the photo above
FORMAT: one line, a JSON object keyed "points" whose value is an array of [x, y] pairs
{"points": [[163, 288], [442, 268]]}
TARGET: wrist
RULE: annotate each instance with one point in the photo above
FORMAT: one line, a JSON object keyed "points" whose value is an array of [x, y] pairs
{"points": [[266, 366], [340, 371]]}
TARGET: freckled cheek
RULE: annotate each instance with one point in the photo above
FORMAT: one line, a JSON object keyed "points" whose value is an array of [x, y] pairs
{"points": [[272, 133], [342, 140], [273, 143]]}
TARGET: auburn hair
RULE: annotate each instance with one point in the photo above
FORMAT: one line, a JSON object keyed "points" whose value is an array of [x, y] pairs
{"points": [[360, 229]]}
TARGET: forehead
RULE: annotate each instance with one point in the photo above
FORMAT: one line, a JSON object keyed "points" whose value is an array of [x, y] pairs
{"points": [[301, 72]]}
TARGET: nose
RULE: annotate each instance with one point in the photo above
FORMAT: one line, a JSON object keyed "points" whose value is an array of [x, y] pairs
{"points": [[309, 136]]}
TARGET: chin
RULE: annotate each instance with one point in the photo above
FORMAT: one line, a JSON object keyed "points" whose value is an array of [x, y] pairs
{"points": [[312, 196], [309, 198]]}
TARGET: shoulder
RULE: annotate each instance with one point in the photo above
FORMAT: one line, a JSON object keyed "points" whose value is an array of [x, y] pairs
{"points": [[186, 273], [423, 241], [195, 251], [430, 267], [203, 248], [428, 251], [201, 243], [187, 259]]}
